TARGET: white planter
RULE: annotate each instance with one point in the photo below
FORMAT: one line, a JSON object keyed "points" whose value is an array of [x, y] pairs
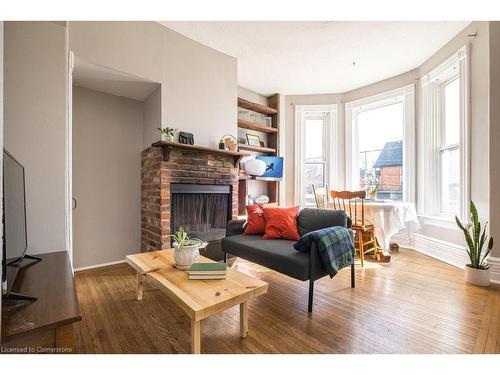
{"points": [[187, 254], [255, 167], [477, 276], [167, 138]]}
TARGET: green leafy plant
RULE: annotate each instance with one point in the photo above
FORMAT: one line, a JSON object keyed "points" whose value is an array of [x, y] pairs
{"points": [[180, 236], [375, 186], [169, 132], [476, 240]]}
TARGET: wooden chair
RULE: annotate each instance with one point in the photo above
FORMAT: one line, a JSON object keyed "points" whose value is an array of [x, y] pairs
{"points": [[320, 196], [364, 240]]}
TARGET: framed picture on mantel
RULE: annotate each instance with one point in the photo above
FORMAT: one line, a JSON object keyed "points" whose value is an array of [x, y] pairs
{"points": [[253, 140]]}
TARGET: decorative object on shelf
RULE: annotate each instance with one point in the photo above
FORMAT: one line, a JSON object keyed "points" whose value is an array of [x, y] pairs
{"points": [[255, 167], [167, 134], [186, 138], [253, 140], [274, 166], [243, 160], [254, 117], [243, 114], [228, 142], [268, 121], [262, 199], [262, 144], [373, 186], [477, 272], [186, 250]]}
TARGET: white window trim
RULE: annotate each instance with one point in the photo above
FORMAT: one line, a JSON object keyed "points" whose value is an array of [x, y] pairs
{"points": [[330, 139], [405, 95], [429, 141]]}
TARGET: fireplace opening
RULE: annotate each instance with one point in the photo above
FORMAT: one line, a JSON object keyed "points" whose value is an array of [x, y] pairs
{"points": [[203, 211]]}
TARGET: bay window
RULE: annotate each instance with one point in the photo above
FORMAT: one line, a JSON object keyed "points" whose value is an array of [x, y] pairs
{"points": [[444, 140], [380, 144], [315, 137]]}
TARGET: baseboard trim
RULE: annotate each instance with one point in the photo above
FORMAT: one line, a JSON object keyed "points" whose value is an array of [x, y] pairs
{"points": [[98, 265], [444, 251], [402, 239], [494, 270]]}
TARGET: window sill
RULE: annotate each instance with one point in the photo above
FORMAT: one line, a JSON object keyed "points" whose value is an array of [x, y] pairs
{"points": [[439, 221]]}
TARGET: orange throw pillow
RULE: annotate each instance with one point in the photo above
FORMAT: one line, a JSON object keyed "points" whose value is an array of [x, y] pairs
{"points": [[281, 223], [255, 220]]}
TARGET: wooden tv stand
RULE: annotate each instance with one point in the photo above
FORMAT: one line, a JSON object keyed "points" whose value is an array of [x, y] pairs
{"points": [[44, 325]]}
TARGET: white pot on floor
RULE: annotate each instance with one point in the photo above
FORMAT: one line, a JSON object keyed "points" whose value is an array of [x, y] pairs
{"points": [[477, 276]]}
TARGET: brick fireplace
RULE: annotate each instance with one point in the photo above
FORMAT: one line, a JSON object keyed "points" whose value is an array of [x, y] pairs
{"points": [[169, 168]]}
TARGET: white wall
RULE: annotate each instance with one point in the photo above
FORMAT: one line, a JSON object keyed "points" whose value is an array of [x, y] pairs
{"points": [[107, 145], [151, 118], [35, 125], [251, 96], [479, 117], [199, 90], [494, 136], [480, 153], [199, 84]]}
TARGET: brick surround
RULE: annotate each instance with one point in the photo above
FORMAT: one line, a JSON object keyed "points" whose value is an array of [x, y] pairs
{"points": [[183, 166]]}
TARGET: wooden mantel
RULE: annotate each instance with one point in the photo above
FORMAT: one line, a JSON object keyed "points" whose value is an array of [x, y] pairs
{"points": [[167, 146]]}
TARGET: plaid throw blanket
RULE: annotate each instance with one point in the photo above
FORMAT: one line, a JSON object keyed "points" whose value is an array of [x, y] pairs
{"points": [[334, 245]]}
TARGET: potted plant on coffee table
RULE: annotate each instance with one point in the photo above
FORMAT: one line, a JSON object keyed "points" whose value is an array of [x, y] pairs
{"points": [[477, 272], [186, 250]]}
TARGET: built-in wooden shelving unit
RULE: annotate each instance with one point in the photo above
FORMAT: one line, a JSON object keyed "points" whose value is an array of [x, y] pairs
{"points": [[255, 126], [256, 107], [271, 134], [256, 178], [266, 150]]}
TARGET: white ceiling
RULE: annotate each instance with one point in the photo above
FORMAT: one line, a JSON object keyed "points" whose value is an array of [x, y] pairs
{"points": [[103, 79], [317, 57]]}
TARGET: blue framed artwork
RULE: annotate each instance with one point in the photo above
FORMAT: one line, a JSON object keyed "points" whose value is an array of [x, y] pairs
{"points": [[274, 166]]}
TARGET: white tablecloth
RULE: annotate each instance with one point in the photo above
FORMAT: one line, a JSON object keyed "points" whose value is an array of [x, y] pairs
{"points": [[390, 217]]}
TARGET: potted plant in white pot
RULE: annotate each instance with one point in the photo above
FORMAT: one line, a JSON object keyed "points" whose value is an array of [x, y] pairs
{"points": [[186, 250], [477, 272], [167, 134]]}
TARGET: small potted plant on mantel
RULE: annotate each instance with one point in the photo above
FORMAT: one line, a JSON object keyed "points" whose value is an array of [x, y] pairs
{"points": [[167, 134], [477, 272]]}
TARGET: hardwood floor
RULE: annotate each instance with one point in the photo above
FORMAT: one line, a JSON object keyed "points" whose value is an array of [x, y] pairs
{"points": [[414, 304]]}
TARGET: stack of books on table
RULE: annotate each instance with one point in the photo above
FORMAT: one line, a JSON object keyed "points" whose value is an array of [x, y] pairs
{"points": [[207, 271]]}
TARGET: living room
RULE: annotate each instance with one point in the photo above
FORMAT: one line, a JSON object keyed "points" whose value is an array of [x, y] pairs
{"points": [[250, 187]]}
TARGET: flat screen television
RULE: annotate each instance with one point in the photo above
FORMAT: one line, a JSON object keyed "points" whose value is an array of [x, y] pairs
{"points": [[15, 239]]}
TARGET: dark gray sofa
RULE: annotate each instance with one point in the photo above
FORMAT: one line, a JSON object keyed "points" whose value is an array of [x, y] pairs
{"points": [[280, 255]]}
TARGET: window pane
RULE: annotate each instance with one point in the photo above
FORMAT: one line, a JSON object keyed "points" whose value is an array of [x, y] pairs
{"points": [[380, 137], [451, 99], [450, 181], [314, 173], [314, 139]]}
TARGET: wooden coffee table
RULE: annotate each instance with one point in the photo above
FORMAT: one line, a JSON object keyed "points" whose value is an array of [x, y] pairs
{"points": [[198, 298]]}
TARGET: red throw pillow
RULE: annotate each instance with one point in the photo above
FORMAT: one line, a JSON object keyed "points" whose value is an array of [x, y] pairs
{"points": [[281, 223], [255, 220]]}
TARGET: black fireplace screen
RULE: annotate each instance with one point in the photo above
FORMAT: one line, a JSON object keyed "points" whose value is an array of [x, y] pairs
{"points": [[203, 210]]}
